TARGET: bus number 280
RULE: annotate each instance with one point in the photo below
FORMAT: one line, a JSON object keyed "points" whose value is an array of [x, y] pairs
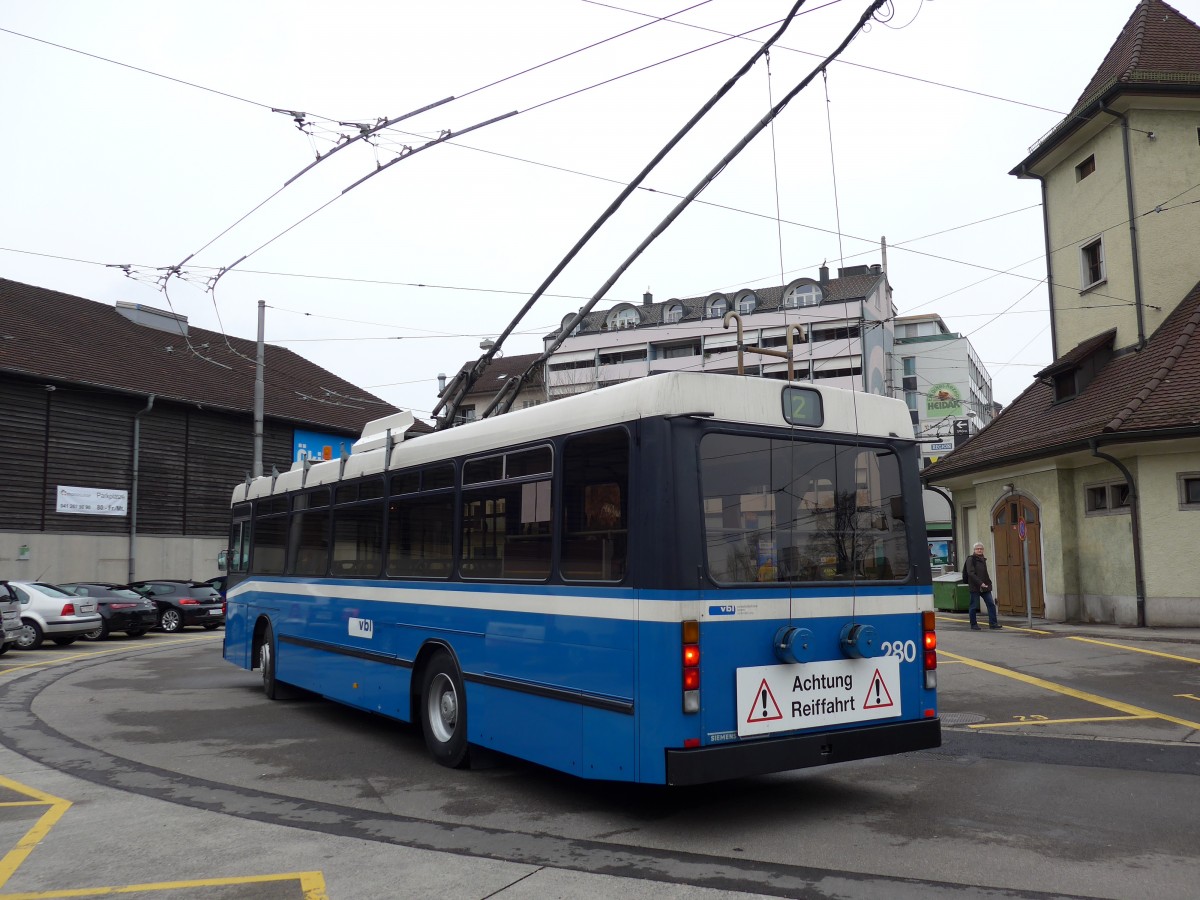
{"points": [[905, 650]]}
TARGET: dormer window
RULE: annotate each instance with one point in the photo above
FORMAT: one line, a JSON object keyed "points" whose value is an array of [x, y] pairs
{"points": [[673, 313], [802, 295], [717, 306], [746, 304], [626, 317]]}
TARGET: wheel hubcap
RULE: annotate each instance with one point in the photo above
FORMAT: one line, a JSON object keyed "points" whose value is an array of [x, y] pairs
{"points": [[443, 708]]}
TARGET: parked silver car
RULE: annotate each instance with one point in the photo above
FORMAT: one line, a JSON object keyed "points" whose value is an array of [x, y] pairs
{"points": [[10, 618], [48, 611]]}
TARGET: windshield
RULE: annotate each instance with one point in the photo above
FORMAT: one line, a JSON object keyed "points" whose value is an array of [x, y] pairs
{"points": [[781, 510]]}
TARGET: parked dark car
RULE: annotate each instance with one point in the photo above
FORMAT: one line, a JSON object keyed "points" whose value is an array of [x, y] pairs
{"points": [[218, 582], [181, 603], [122, 608]]}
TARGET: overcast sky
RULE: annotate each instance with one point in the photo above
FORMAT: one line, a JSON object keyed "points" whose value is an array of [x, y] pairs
{"points": [[400, 278]]}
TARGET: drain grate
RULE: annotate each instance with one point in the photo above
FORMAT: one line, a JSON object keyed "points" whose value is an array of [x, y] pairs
{"points": [[961, 718]]}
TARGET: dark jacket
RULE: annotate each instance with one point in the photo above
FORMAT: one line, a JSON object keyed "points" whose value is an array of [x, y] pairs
{"points": [[975, 574]]}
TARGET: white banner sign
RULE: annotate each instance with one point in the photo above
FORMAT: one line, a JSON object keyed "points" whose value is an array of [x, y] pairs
{"points": [[812, 695], [88, 501]]}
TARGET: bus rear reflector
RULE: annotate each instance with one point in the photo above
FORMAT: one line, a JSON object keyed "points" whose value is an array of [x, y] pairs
{"points": [[691, 742]]}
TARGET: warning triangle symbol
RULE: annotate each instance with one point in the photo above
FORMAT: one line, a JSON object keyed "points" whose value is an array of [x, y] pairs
{"points": [[763, 707], [878, 696]]}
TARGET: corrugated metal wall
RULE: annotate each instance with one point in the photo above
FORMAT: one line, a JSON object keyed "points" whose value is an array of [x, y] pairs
{"points": [[190, 459]]}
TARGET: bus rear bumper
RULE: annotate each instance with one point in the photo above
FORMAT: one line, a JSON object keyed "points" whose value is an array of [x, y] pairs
{"points": [[761, 757]]}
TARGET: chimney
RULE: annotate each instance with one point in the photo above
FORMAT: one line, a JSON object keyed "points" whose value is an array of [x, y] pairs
{"points": [[824, 276], [647, 298], [441, 383], [875, 269]]}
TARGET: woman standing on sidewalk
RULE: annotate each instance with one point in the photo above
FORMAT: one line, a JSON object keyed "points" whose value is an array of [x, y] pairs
{"points": [[975, 574]]}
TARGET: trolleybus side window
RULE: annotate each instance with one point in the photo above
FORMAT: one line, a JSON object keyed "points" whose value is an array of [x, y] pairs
{"points": [[239, 539], [801, 511], [270, 536], [421, 523], [358, 531], [309, 534], [595, 507], [507, 515]]}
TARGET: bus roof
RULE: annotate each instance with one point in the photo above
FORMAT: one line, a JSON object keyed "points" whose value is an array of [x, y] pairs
{"points": [[725, 398]]}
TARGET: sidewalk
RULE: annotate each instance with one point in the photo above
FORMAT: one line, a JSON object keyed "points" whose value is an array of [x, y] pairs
{"points": [[1095, 630]]}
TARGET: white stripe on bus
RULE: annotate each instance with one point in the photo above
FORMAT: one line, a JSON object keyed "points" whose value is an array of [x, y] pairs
{"points": [[616, 608]]}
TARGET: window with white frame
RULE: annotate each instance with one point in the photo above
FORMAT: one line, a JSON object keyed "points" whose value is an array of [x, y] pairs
{"points": [[1189, 490], [747, 304], [1106, 499], [624, 318], [1091, 263], [674, 313], [717, 307], [802, 295]]}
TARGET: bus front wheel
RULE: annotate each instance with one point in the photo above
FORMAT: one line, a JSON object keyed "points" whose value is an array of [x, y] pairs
{"points": [[266, 664], [444, 711]]}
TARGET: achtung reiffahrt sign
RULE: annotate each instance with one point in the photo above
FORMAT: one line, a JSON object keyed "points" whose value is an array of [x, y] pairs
{"points": [[812, 695]]}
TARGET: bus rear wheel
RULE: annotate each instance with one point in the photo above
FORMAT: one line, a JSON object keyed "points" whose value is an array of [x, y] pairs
{"points": [[444, 711]]}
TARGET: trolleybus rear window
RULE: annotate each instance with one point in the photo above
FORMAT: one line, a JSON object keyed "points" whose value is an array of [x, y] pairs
{"points": [[785, 511]]}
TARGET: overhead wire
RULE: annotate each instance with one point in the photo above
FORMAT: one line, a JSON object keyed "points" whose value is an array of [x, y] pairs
{"points": [[464, 379], [508, 392]]}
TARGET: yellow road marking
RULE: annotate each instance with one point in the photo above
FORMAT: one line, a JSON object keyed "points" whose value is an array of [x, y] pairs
{"points": [[1058, 721], [311, 883], [1127, 708], [62, 659], [18, 854], [1136, 649], [1006, 627]]}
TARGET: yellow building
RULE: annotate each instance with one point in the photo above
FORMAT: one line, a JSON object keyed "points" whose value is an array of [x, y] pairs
{"points": [[1086, 490]]}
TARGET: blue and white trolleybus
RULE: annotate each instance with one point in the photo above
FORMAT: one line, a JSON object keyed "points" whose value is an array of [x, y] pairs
{"points": [[675, 580]]}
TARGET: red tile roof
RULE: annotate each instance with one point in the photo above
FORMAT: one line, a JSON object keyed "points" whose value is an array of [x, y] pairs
{"points": [[1158, 51], [61, 338], [1138, 395], [1157, 44]]}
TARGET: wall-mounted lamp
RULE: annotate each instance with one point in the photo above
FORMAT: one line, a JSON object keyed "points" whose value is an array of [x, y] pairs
{"points": [[1009, 488]]}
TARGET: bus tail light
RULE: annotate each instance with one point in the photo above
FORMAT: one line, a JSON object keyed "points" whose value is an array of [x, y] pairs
{"points": [[929, 655], [691, 666]]}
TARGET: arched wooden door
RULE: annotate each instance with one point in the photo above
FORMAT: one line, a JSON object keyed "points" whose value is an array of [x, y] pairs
{"points": [[1011, 552]]}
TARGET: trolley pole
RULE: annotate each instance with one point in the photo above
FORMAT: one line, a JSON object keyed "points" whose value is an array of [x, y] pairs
{"points": [[258, 393]]}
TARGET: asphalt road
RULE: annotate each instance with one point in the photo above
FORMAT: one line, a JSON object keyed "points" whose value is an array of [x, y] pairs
{"points": [[1069, 767]]}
